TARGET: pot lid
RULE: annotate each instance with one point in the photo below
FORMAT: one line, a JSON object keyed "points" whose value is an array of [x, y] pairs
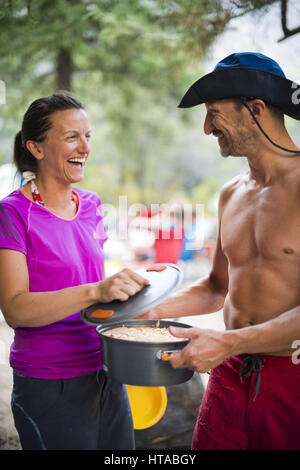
{"points": [[162, 284]]}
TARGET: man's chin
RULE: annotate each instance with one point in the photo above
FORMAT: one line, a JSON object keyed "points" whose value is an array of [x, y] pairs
{"points": [[229, 153], [225, 152]]}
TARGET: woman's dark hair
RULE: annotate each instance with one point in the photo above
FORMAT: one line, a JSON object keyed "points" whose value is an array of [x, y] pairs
{"points": [[36, 123]]}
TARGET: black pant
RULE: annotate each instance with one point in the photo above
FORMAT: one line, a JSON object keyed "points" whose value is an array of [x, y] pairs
{"points": [[88, 412]]}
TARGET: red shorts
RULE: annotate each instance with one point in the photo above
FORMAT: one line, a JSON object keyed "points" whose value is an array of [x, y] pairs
{"points": [[231, 419]]}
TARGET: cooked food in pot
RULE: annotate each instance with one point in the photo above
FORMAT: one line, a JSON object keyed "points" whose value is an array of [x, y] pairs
{"points": [[142, 333]]}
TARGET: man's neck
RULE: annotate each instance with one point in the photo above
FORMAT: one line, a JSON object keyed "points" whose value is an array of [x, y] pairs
{"points": [[268, 163]]}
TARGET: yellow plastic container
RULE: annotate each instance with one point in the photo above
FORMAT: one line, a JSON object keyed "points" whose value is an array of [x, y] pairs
{"points": [[148, 405]]}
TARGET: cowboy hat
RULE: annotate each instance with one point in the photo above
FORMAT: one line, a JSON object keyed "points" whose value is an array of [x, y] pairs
{"points": [[246, 75]]}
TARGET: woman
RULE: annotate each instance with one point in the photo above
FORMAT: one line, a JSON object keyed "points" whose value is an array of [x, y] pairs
{"points": [[51, 267]]}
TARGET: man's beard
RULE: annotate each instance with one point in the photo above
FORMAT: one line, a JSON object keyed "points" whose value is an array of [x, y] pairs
{"points": [[238, 145]]}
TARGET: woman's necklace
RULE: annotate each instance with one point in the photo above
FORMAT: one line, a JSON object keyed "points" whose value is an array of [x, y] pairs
{"points": [[37, 197]]}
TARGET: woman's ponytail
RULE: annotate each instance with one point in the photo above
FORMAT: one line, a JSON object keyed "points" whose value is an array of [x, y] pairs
{"points": [[22, 158]]}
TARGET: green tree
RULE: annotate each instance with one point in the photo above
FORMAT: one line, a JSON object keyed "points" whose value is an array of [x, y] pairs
{"points": [[130, 61], [48, 43]]}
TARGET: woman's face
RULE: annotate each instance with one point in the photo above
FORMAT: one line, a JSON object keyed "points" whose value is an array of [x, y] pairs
{"points": [[65, 150]]}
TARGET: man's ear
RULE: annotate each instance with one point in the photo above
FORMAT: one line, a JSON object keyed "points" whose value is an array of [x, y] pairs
{"points": [[35, 149], [258, 107]]}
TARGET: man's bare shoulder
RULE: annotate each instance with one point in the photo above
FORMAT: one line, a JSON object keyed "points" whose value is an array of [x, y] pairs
{"points": [[293, 179], [229, 188]]}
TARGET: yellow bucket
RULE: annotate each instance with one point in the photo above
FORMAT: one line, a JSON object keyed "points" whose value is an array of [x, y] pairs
{"points": [[148, 405]]}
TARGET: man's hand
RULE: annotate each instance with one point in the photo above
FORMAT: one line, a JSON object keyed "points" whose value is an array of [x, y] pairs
{"points": [[206, 350]]}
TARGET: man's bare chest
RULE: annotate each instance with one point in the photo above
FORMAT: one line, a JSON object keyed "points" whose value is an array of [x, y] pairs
{"points": [[261, 224]]}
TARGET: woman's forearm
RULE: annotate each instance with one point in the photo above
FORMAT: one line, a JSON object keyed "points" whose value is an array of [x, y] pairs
{"points": [[31, 309]]}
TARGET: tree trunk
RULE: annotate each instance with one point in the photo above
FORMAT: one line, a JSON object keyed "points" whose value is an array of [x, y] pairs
{"points": [[64, 69]]}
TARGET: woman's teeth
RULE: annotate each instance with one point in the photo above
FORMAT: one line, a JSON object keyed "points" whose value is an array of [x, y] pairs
{"points": [[77, 161]]}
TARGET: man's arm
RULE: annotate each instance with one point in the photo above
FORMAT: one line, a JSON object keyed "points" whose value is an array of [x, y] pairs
{"points": [[272, 336], [209, 348]]}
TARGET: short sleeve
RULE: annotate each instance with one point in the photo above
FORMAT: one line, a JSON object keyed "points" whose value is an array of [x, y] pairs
{"points": [[13, 234]]}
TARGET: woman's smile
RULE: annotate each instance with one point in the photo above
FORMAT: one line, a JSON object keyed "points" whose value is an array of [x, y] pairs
{"points": [[67, 146], [77, 162]]}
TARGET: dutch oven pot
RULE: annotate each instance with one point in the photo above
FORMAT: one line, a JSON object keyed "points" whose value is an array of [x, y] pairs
{"points": [[138, 362]]}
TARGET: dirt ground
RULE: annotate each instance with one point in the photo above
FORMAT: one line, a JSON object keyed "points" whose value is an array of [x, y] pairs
{"points": [[9, 439]]}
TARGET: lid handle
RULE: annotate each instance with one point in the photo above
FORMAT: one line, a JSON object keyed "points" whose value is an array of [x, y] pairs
{"points": [[99, 313]]}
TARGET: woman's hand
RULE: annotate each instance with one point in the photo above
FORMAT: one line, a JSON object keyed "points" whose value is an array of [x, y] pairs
{"points": [[121, 286]]}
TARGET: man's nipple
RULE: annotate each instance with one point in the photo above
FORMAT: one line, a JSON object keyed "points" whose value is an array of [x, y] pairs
{"points": [[288, 251]]}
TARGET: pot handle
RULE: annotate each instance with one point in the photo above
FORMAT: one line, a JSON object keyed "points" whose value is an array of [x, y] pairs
{"points": [[165, 355]]}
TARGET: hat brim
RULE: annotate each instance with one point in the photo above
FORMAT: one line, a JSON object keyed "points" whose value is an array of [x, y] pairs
{"points": [[237, 82]]}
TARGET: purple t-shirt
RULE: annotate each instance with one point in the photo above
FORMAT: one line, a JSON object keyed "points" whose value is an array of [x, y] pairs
{"points": [[60, 253]]}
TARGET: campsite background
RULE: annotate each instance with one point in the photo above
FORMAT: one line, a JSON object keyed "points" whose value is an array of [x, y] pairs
{"points": [[130, 62]]}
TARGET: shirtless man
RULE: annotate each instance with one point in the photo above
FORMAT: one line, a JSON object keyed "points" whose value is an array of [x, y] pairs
{"points": [[252, 398]]}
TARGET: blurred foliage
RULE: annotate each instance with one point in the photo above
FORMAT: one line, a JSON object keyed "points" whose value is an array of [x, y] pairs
{"points": [[131, 62]]}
